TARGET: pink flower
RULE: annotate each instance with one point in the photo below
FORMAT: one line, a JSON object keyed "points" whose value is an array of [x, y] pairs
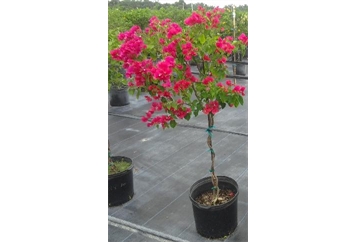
{"points": [[215, 22], [115, 54], [163, 70], [188, 51], [225, 45], [179, 66], [188, 74], [228, 82], [171, 49], [206, 58], [173, 29], [211, 107], [207, 80], [222, 60], [148, 99], [181, 85], [195, 18], [243, 38], [240, 90], [160, 120]]}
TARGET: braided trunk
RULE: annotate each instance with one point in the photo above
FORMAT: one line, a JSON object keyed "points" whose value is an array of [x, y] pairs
{"points": [[214, 178]]}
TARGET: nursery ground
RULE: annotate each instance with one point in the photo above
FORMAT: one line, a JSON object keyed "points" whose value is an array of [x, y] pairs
{"points": [[167, 162]]}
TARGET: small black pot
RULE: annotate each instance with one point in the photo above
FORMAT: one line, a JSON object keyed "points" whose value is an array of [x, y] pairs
{"points": [[119, 96], [121, 187], [239, 68], [215, 221]]}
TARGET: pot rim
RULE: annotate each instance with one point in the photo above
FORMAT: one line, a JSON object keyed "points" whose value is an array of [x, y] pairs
{"points": [[127, 159], [205, 180]]}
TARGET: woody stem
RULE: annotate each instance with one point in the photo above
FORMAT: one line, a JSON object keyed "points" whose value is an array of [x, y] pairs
{"points": [[214, 178]]}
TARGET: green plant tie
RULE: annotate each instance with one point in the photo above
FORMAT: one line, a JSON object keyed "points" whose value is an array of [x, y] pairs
{"points": [[210, 130], [211, 170], [211, 150], [213, 188]]}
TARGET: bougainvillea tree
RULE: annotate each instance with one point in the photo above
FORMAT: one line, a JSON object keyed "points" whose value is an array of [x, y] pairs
{"points": [[158, 59]]}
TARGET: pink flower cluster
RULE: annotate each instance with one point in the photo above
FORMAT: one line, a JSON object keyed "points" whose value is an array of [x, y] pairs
{"points": [[181, 85], [211, 107], [222, 87], [214, 17], [188, 74], [207, 80], [206, 58], [163, 71], [157, 93], [129, 34], [139, 71], [173, 29], [240, 90], [160, 120], [229, 85], [131, 47], [195, 18], [222, 60], [225, 44], [189, 51], [155, 106], [243, 38], [171, 48], [181, 111], [154, 22]]}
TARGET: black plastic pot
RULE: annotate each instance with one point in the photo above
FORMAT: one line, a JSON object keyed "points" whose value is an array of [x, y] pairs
{"points": [[239, 68], [215, 221], [119, 96], [121, 187]]}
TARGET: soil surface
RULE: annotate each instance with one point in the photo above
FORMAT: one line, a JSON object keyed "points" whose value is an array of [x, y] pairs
{"points": [[206, 197], [118, 166]]}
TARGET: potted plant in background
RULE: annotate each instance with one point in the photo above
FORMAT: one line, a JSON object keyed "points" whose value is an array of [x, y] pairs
{"points": [[240, 68], [157, 60], [120, 182], [117, 83]]}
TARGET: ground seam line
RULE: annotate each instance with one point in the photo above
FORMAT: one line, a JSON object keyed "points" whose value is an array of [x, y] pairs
{"points": [[145, 229]]}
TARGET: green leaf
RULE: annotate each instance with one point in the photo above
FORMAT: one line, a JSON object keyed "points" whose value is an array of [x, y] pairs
{"points": [[199, 106], [241, 100], [172, 123], [187, 117], [138, 93], [223, 97], [131, 91], [214, 72], [202, 39], [196, 112]]}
